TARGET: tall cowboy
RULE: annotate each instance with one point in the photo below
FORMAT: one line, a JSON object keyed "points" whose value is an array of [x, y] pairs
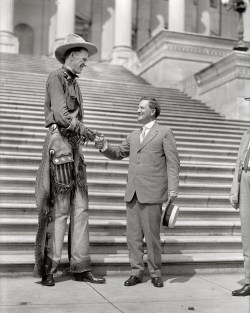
{"points": [[61, 187]]}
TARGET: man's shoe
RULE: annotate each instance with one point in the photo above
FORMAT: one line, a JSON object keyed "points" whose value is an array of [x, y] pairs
{"points": [[48, 280], [244, 291], [89, 277], [157, 281], [132, 281]]}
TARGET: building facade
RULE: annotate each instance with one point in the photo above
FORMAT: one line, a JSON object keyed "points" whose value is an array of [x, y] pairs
{"points": [[117, 27]]}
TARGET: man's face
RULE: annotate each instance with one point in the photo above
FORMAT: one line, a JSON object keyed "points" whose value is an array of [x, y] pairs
{"points": [[145, 114], [78, 61]]}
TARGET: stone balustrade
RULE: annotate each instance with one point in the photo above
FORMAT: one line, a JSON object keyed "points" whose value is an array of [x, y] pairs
{"points": [[223, 85], [169, 57]]}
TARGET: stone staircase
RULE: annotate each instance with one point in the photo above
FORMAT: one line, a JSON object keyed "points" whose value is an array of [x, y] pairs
{"points": [[207, 235]]}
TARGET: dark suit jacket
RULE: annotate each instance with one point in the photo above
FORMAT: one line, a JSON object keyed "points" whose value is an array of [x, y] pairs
{"points": [[154, 165]]}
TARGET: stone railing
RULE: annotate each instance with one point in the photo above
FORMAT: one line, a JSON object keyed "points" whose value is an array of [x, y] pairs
{"points": [[169, 57], [224, 85]]}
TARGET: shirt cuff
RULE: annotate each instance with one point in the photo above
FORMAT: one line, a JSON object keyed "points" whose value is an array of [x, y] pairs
{"points": [[105, 147]]}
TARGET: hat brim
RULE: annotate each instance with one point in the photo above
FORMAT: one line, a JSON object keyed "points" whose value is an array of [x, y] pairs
{"points": [[170, 215], [61, 50]]}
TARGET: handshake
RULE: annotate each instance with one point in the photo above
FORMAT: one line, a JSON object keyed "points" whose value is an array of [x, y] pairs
{"points": [[100, 141]]}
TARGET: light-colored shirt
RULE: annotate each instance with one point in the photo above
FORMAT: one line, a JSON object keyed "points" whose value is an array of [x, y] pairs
{"points": [[147, 128]]}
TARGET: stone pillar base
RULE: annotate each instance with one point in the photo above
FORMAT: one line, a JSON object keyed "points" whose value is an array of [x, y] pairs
{"points": [[121, 55], [8, 43]]}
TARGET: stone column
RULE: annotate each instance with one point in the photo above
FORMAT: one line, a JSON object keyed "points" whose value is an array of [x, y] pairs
{"points": [[65, 20], [176, 15], [108, 17], [123, 24], [8, 42], [96, 27], [143, 31], [246, 21], [203, 17]]}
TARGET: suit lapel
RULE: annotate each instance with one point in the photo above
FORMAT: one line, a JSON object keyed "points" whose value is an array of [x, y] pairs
{"points": [[137, 138], [151, 134]]}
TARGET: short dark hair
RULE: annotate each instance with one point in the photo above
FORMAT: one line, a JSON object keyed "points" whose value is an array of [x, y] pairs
{"points": [[77, 49], [153, 104]]}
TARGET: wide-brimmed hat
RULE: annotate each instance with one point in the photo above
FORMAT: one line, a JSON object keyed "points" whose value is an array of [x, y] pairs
{"points": [[74, 41]]}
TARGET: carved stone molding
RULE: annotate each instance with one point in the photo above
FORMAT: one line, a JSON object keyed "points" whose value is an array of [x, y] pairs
{"points": [[234, 66], [185, 48]]}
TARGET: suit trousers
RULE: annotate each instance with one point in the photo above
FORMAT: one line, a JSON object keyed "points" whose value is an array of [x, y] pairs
{"points": [[143, 221], [244, 205], [79, 233]]}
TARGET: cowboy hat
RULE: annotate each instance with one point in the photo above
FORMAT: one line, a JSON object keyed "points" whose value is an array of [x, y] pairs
{"points": [[74, 41]]}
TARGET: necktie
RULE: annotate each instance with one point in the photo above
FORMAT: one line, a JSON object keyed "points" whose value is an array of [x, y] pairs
{"points": [[143, 134]]}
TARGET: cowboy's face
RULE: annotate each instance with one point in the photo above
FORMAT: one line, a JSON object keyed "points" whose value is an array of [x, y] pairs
{"points": [[78, 61], [145, 114]]}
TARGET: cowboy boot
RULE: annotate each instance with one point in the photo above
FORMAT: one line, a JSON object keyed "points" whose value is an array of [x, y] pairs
{"points": [[47, 277]]}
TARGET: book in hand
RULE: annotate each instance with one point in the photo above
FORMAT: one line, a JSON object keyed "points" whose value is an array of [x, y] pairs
{"points": [[169, 215]]}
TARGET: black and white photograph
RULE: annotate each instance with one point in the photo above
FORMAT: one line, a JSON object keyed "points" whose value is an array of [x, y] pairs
{"points": [[124, 156]]}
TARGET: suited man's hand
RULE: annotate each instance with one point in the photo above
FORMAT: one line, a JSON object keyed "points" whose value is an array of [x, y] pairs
{"points": [[172, 195], [100, 142], [234, 202]]}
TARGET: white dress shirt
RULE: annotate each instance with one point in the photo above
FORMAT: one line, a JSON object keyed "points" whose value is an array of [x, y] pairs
{"points": [[147, 128]]}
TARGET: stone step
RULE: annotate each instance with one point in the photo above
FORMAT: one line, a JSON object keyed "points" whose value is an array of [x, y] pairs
{"points": [[12, 133], [102, 227], [102, 163], [188, 139], [38, 81], [175, 105], [109, 111], [207, 233], [90, 100], [196, 153], [105, 185], [209, 146], [226, 134], [95, 181], [24, 150], [196, 199], [128, 127], [15, 136], [29, 69], [92, 123], [24, 244], [88, 87], [116, 175], [188, 263], [109, 118], [114, 211]]}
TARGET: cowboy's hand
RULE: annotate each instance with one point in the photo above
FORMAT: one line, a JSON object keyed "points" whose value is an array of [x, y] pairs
{"points": [[234, 202], [100, 142], [172, 195]]}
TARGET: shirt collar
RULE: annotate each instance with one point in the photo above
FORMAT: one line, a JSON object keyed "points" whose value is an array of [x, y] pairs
{"points": [[149, 125], [69, 72]]}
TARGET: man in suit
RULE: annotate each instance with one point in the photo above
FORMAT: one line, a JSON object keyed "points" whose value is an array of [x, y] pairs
{"points": [[240, 199], [153, 177]]}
